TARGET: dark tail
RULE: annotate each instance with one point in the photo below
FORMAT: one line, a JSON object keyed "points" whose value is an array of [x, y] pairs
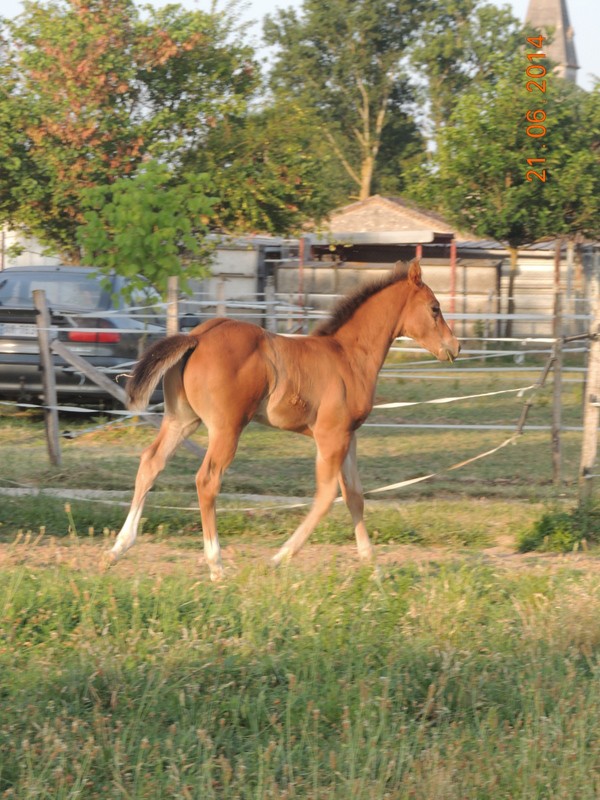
{"points": [[157, 359]]}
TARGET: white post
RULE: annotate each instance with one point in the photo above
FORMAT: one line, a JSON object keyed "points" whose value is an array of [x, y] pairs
{"points": [[591, 411], [172, 305], [557, 333]]}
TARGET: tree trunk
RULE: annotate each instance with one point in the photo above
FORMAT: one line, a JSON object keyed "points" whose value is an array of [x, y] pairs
{"points": [[366, 177]]}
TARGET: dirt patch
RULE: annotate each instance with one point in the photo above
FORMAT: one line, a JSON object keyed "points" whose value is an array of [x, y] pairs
{"points": [[161, 558]]}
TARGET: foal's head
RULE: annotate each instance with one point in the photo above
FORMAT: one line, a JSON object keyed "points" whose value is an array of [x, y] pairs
{"points": [[422, 319]]}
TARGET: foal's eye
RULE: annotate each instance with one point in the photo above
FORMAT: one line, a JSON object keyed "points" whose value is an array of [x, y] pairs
{"points": [[435, 310]]}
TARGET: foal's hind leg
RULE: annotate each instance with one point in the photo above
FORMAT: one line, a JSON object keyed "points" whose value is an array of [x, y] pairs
{"points": [[353, 496], [153, 460], [330, 456], [222, 445]]}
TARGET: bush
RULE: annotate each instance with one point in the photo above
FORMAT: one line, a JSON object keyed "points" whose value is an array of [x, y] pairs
{"points": [[562, 531]]}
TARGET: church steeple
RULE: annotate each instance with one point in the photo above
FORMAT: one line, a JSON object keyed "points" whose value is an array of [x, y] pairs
{"points": [[551, 16]]}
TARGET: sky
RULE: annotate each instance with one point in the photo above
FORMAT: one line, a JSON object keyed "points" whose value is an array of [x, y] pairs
{"points": [[584, 15]]}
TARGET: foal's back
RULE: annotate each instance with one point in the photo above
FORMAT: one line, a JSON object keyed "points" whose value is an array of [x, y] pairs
{"points": [[239, 371]]}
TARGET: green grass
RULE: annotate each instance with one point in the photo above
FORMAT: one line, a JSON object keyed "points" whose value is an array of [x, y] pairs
{"points": [[447, 522], [453, 682]]}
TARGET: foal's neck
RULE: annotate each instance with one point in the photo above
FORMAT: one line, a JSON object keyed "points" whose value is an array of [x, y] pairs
{"points": [[369, 333]]}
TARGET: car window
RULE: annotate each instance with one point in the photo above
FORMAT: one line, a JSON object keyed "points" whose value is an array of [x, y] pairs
{"points": [[63, 291]]}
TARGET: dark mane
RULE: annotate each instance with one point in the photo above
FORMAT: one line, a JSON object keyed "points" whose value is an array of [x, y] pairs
{"points": [[345, 308]]}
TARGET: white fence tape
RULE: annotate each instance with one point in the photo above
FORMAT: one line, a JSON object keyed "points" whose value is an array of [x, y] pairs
{"points": [[440, 400], [460, 464], [79, 410], [437, 401]]}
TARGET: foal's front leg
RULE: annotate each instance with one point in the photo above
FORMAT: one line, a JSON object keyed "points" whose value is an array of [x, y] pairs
{"points": [[330, 456]]}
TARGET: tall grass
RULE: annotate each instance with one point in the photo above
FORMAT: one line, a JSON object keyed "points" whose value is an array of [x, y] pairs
{"points": [[440, 682], [446, 522]]}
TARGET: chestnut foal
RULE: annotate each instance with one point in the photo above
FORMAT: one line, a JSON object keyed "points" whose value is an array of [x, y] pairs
{"points": [[225, 373]]}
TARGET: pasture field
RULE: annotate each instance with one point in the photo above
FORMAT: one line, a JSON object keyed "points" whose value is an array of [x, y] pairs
{"points": [[466, 670], [454, 677]]}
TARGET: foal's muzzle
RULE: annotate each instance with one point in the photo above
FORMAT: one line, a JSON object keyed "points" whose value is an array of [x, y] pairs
{"points": [[449, 352]]}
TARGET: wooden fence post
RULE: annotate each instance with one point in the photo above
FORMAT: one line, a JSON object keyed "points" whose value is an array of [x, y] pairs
{"points": [[47, 366], [271, 318], [557, 391], [172, 305], [591, 400], [557, 333]]}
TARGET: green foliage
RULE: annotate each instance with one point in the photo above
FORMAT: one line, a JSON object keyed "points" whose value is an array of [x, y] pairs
{"points": [[200, 70], [269, 171], [562, 531], [574, 167], [152, 224], [90, 90], [400, 152], [481, 164], [478, 175], [461, 46], [343, 62]]}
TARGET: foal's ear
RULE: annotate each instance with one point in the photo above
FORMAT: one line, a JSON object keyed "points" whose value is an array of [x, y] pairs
{"points": [[414, 272]]}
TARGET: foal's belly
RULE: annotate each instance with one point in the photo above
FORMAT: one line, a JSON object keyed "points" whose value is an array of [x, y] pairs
{"points": [[291, 412]]}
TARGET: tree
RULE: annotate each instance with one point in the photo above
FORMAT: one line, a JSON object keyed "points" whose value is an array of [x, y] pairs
{"points": [[152, 224], [344, 62], [575, 160], [270, 172], [92, 87], [462, 44], [508, 164], [400, 151]]}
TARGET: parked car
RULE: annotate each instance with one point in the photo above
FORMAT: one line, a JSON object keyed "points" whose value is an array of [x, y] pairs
{"points": [[92, 319]]}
